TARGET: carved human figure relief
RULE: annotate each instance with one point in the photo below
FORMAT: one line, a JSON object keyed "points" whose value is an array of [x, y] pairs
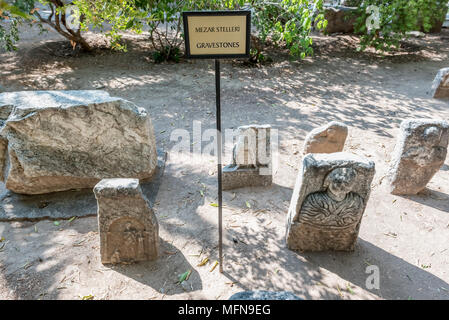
{"points": [[336, 207], [125, 240], [328, 202]]}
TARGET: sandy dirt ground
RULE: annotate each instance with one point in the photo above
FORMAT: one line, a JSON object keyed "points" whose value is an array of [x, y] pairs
{"points": [[406, 237]]}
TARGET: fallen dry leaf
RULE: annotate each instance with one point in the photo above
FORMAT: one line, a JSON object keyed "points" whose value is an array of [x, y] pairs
{"points": [[202, 263], [214, 266]]}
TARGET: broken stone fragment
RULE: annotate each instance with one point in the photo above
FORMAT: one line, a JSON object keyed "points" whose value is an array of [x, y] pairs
{"points": [[251, 159], [419, 153], [245, 150], [326, 139], [61, 140], [129, 231], [440, 85], [328, 201]]}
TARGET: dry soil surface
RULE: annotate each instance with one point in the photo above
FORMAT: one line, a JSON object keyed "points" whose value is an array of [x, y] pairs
{"points": [[406, 237]]}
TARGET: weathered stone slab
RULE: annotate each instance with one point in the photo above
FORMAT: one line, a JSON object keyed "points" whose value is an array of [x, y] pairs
{"points": [[264, 295], [234, 178], [420, 151], [328, 201], [245, 150], [251, 159], [340, 19], [62, 140], [129, 231], [440, 85], [326, 139], [65, 205]]}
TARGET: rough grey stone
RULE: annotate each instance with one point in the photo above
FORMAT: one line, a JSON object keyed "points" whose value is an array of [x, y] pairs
{"points": [[186, 285], [416, 34], [340, 19], [244, 153], [264, 295], [328, 201], [61, 140], [326, 139], [129, 231], [5, 111], [419, 153], [234, 178], [440, 85], [65, 205], [251, 159]]}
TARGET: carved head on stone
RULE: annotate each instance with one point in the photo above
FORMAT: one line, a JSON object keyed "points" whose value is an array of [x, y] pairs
{"points": [[339, 182]]}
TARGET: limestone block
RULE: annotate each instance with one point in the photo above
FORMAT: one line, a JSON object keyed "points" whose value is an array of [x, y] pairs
{"points": [[440, 85], [61, 140], [129, 231], [326, 139], [251, 160], [419, 153], [328, 201]]}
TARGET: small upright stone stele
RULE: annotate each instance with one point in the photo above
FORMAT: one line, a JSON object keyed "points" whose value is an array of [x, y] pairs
{"points": [[440, 85], [419, 153], [326, 139], [251, 159], [129, 231], [328, 201]]}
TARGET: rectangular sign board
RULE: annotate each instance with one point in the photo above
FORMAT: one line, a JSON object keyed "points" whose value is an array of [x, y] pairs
{"points": [[217, 34]]}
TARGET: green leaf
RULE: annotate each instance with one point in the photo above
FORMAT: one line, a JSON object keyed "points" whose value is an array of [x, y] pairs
{"points": [[183, 277], [213, 204]]}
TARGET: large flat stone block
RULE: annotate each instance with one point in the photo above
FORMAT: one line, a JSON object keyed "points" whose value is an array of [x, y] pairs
{"points": [[61, 140]]}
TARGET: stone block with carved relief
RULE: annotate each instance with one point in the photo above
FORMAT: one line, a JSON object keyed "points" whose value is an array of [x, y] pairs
{"points": [[129, 230]]}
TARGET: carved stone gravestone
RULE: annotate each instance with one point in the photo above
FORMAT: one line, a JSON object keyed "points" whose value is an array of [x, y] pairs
{"points": [[440, 85], [251, 159], [328, 202], [326, 139], [129, 231], [419, 153]]}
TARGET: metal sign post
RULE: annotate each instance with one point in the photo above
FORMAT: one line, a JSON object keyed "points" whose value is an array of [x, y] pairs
{"points": [[217, 35], [219, 170]]}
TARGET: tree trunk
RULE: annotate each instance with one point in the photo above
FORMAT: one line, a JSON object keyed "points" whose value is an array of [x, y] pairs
{"points": [[57, 20]]}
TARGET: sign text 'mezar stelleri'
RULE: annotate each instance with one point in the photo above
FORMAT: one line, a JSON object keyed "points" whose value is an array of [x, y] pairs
{"points": [[217, 34]]}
